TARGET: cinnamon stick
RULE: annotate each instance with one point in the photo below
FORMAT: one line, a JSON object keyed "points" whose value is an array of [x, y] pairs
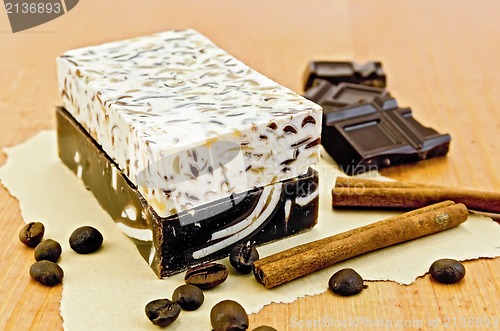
{"points": [[354, 192], [324, 241], [302, 260], [364, 182]]}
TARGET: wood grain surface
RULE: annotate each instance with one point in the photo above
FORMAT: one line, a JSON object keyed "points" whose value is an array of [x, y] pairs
{"points": [[442, 58]]}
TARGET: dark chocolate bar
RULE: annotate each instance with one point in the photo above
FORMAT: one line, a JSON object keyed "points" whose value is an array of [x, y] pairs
{"points": [[336, 72], [202, 234], [365, 129]]}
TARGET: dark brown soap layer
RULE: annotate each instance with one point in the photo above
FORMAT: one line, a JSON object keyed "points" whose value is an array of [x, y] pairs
{"points": [[192, 237]]}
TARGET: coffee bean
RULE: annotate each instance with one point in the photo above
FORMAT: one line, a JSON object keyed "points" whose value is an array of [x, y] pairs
{"points": [[32, 233], [48, 250], [346, 282], [447, 271], [207, 275], [242, 257], [188, 296], [46, 272], [162, 312], [264, 328], [228, 315], [85, 240]]}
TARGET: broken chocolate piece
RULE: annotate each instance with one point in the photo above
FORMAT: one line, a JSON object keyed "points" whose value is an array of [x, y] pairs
{"points": [[365, 129], [336, 72], [201, 234], [346, 100]]}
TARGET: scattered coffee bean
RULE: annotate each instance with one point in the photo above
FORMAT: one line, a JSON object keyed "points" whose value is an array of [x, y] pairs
{"points": [[46, 272], [85, 240], [228, 315], [188, 296], [48, 250], [242, 257], [206, 276], [447, 271], [162, 312], [32, 233], [264, 328], [346, 282]]}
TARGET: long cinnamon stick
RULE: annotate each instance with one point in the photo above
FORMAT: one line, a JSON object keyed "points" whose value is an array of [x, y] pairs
{"points": [[324, 241], [364, 182], [355, 192], [299, 261]]}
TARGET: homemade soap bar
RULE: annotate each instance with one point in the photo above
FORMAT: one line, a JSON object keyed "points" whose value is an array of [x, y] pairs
{"points": [[186, 122], [201, 234], [365, 129], [336, 72]]}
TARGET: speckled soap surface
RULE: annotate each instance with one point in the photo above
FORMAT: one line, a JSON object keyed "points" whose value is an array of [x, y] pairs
{"points": [[185, 121]]}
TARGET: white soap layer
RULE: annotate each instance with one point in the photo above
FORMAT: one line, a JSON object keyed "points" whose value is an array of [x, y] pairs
{"points": [[187, 122]]}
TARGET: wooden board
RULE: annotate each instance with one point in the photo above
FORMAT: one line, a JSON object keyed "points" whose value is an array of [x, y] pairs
{"points": [[442, 58]]}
